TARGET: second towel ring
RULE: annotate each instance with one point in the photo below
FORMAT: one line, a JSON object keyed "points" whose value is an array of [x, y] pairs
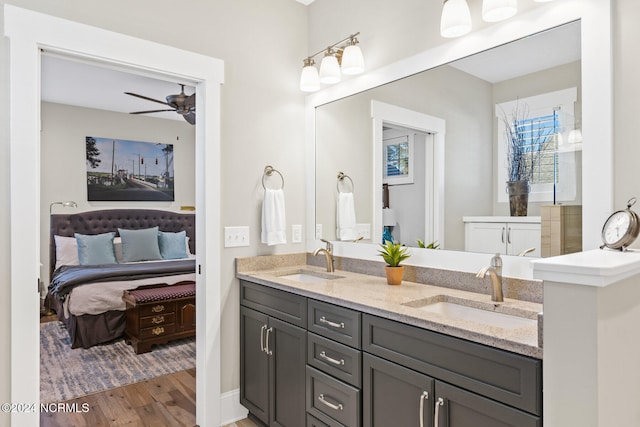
{"points": [[341, 178], [268, 171]]}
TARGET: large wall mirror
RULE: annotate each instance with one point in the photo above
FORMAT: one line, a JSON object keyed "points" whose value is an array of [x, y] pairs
{"points": [[428, 145]]}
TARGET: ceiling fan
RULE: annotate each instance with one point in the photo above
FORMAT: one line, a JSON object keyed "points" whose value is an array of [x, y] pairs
{"points": [[183, 104]]}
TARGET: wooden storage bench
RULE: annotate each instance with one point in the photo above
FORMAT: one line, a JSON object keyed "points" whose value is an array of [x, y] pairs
{"points": [[159, 314]]}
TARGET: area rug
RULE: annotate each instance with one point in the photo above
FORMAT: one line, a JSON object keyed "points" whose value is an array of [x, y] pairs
{"points": [[67, 373]]}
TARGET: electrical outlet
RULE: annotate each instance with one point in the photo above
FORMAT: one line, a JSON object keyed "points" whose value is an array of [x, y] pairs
{"points": [[236, 236], [363, 230], [296, 233], [318, 231]]}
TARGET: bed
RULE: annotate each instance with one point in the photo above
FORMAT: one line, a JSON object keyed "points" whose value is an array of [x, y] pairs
{"points": [[91, 305]]}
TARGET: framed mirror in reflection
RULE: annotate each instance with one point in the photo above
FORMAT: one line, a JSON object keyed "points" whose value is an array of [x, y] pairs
{"points": [[431, 148]]}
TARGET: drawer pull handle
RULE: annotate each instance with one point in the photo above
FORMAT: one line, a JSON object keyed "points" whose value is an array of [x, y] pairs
{"points": [[423, 397], [157, 308], [262, 329], [158, 331], [332, 324], [337, 407], [331, 359], [436, 417], [157, 319]]}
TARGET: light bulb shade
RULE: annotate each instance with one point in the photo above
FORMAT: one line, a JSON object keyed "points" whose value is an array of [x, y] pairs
{"points": [[388, 217], [352, 60], [498, 10], [575, 136], [329, 70], [542, 1], [456, 18], [309, 79]]}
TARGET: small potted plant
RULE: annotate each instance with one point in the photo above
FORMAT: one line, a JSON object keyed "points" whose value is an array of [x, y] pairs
{"points": [[393, 254]]}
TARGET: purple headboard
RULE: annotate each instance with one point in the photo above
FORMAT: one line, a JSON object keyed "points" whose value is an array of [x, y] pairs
{"points": [[103, 221]]}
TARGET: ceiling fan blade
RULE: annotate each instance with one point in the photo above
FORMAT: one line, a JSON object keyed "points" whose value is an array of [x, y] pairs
{"points": [[190, 102], [150, 111], [190, 117], [146, 97]]}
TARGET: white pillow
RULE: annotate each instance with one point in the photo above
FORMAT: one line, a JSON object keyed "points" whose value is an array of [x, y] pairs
{"points": [[66, 251], [117, 247]]}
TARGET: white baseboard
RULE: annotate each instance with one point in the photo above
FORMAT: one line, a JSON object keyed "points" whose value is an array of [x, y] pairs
{"points": [[230, 408]]}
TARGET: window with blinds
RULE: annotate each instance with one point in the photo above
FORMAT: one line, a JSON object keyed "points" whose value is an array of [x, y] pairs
{"points": [[536, 137]]}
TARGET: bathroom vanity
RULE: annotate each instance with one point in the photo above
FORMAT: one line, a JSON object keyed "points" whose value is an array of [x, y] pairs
{"points": [[346, 349]]}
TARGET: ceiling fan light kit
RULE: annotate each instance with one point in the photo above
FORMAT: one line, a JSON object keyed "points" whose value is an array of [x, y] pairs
{"points": [[181, 103]]}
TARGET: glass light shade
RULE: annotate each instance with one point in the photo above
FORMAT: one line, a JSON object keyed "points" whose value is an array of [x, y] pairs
{"points": [[309, 79], [575, 136], [456, 18], [352, 60], [542, 1], [329, 70], [498, 10]]}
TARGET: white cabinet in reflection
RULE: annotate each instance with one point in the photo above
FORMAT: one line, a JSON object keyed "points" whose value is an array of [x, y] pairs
{"points": [[506, 235]]}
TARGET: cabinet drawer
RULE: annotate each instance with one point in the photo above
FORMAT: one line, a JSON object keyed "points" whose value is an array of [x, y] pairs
{"points": [[330, 400], [314, 422], [158, 319], [500, 375], [279, 304], [157, 331], [335, 359], [155, 308], [337, 323]]}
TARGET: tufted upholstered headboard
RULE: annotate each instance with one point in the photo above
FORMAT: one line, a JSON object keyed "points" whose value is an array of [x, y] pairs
{"points": [[103, 221]]}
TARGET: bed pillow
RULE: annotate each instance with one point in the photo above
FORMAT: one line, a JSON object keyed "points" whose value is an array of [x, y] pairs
{"points": [[117, 248], [66, 251], [95, 249], [140, 245], [173, 245]]}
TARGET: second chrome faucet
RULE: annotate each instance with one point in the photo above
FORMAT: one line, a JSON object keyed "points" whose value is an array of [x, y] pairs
{"points": [[495, 271]]}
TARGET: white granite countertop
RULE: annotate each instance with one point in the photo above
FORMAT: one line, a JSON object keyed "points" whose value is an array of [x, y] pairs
{"points": [[371, 294]]}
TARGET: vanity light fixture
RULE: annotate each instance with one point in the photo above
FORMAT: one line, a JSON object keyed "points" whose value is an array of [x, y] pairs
{"points": [[343, 57], [456, 18], [498, 10]]}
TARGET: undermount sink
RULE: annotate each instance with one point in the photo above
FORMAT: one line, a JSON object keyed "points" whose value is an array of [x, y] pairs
{"points": [[309, 276], [475, 311]]}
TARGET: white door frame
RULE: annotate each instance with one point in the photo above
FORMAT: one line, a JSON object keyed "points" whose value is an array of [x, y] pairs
{"points": [[28, 32], [434, 183]]}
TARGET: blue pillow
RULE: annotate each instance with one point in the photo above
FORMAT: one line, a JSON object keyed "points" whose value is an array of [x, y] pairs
{"points": [[173, 245], [140, 245], [96, 249]]}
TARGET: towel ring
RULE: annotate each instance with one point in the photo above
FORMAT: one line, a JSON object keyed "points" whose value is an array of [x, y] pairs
{"points": [[268, 171], [341, 177]]}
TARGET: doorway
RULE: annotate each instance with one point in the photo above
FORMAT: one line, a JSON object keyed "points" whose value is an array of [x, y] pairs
{"points": [[28, 32]]}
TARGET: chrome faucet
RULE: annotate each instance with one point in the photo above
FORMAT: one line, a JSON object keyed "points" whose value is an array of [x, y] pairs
{"points": [[495, 270], [328, 255], [526, 251]]}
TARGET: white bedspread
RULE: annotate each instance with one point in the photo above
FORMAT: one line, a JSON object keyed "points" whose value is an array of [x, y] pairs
{"points": [[96, 298]]}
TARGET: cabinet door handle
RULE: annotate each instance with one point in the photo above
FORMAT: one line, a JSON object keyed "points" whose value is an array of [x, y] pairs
{"points": [[264, 328], [324, 401], [269, 352], [509, 235], [436, 417], [423, 397], [502, 234], [332, 324], [331, 359]]}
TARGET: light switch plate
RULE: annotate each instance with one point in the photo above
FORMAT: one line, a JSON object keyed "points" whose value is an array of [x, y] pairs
{"points": [[236, 236], [296, 233]]}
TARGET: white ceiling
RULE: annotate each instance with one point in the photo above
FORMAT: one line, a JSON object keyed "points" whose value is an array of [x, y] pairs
{"points": [[92, 85]]}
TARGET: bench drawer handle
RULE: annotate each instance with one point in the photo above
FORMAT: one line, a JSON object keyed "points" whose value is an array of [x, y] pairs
{"points": [[331, 359], [337, 407], [158, 331], [157, 320], [158, 308], [332, 324]]}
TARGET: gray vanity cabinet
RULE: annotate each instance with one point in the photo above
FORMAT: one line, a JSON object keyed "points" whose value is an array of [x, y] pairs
{"points": [[273, 356]]}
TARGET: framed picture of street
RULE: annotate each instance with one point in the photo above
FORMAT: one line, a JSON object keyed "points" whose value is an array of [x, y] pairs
{"points": [[124, 170]]}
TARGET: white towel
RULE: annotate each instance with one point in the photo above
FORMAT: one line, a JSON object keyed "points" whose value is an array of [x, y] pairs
{"points": [[345, 217], [273, 218]]}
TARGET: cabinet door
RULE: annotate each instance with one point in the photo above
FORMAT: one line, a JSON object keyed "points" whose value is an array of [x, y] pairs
{"points": [[254, 363], [186, 315], [486, 237], [523, 236], [394, 395], [456, 407], [287, 345]]}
